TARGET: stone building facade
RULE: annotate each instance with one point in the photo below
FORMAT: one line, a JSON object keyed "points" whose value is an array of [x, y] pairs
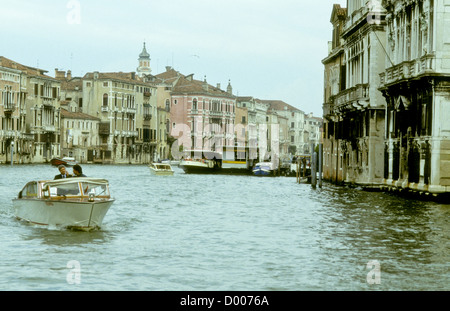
{"points": [[416, 85], [125, 105], [31, 113], [79, 135], [202, 116], [354, 108]]}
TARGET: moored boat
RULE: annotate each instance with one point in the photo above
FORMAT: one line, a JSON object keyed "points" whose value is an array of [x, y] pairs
{"points": [[77, 203], [66, 161], [263, 169], [161, 169], [199, 166]]}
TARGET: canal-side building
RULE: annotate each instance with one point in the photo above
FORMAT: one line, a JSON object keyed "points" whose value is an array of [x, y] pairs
{"points": [[124, 104], [416, 85], [242, 122], [42, 114], [202, 116], [294, 139], [31, 113], [71, 94], [79, 135], [334, 82], [257, 124], [355, 110], [13, 145], [313, 131]]}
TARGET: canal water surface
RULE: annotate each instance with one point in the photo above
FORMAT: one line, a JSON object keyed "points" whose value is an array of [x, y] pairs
{"points": [[210, 233]]}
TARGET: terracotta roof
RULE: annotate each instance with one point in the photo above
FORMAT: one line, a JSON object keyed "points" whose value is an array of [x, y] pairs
{"points": [[130, 77], [279, 105], [187, 84], [77, 115], [170, 75], [72, 84], [244, 98], [6, 62]]}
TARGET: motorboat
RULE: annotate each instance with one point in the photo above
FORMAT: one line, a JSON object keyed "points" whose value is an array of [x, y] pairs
{"points": [[263, 169], [201, 162], [75, 203], [66, 161], [161, 169], [199, 166], [171, 162]]}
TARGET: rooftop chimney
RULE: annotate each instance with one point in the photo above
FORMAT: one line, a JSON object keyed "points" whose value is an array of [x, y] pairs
{"points": [[59, 74]]}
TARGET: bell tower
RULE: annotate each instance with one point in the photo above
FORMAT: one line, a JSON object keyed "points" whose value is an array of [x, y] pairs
{"points": [[144, 63]]}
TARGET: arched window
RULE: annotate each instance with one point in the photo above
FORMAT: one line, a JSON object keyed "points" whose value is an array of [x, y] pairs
{"points": [[194, 104], [105, 99], [167, 105]]}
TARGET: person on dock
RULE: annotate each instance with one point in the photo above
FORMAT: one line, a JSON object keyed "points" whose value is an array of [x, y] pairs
{"points": [[78, 171], [62, 173]]}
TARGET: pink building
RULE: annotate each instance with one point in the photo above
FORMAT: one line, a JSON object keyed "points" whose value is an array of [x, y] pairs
{"points": [[201, 115]]}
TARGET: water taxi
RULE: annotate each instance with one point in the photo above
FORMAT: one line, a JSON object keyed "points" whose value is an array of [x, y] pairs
{"points": [[161, 169], [199, 166], [74, 203], [200, 162]]}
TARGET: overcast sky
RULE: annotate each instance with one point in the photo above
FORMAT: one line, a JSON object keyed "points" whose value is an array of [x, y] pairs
{"points": [[267, 49]]}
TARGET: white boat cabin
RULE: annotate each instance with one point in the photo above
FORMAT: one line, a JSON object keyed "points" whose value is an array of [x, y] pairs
{"points": [[76, 188]]}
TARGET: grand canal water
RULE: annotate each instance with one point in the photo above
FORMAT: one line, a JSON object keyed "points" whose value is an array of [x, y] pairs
{"points": [[196, 233]]}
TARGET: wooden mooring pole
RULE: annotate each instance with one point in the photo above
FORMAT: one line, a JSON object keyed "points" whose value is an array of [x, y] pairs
{"points": [[320, 164], [313, 166]]}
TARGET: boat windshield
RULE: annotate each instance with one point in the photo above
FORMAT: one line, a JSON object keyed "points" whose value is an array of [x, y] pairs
{"points": [[95, 188], [162, 167], [82, 188], [68, 189]]}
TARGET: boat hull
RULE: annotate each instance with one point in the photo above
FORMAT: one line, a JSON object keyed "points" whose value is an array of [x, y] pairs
{"points": [[81, 215], [261, 172], [161, 173], [196, 167], [263, 169]]}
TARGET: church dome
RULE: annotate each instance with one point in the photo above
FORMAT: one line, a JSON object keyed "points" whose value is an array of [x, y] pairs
{"points": [[144, 53]]}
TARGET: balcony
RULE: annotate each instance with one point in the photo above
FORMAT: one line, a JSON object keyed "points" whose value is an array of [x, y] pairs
{"points": [[104, 108], [129, 110], [49, 128], [147, 117], [216, 113], [408, 70], [9, 107], [8, 134], [354, 97]]}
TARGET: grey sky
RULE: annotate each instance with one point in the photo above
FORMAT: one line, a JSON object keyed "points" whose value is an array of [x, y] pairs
{"points": [[267, 49]]}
